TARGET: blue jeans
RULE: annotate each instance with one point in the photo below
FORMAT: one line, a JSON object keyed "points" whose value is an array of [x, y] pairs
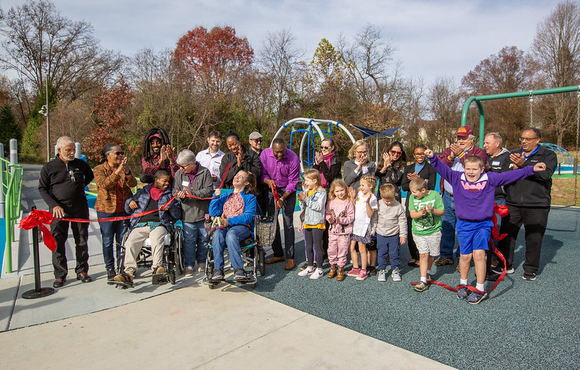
{"points": [[111, 231], [194, 243], [448, 221], [230, 237], [388, 246]]}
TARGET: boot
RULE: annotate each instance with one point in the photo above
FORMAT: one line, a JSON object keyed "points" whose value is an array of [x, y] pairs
{"points": [[340, 274], [332, 272]]}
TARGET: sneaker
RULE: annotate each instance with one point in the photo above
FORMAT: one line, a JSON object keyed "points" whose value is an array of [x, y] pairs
{"points": [[421, 286], [463, 293], [362, 275], [442, 261], [475, 298], [353, 272], [309, 270], [217, 276], [499, 270], [382, 275], [188, 272], [396, 275], [317, 274], [372, 270], [239, 275], [529, 276]]}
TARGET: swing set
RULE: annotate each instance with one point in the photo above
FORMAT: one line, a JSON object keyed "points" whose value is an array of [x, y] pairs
{"points": [[564, 157]]}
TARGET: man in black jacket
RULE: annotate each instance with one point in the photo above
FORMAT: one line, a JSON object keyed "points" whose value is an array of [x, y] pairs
{"points": [[529, 202], [62, 186], [239, 158]]}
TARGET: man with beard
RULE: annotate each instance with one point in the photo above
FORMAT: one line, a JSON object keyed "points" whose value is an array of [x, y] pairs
{"points": [[62, 186]]}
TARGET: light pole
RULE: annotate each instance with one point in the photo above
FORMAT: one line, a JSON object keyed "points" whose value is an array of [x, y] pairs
{"points": [[44, 112]]}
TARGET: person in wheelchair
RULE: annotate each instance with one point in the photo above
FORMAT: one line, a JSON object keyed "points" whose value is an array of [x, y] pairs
{"points": [[153, 226], [237, 210]]}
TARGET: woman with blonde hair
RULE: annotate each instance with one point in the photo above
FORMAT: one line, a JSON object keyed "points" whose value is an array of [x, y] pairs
{"points": [[358, 165]]}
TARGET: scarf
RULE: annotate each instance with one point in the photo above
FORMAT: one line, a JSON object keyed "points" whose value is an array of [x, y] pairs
{"points": [[192, 175], [156, 193], [327, 158]]}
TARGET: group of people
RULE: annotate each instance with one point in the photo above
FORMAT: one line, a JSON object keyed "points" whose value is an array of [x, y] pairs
{"points": [[340, 213]]}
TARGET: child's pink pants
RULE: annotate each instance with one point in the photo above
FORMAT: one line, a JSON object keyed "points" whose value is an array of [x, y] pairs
{"points": [[338, 249]]}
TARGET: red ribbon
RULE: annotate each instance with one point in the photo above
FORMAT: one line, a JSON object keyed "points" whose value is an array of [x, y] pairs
{"points": [[502, 211], [38, 218]]}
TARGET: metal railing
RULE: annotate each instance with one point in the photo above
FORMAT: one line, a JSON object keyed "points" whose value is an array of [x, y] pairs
{"points": [[11, 179]]}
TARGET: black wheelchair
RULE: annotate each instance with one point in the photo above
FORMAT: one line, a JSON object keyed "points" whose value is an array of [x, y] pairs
{"points": [[253, 257], [172, 256]]}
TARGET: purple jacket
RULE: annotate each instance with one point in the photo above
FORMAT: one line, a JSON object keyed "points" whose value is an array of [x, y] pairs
{"points": [[475, 201]]}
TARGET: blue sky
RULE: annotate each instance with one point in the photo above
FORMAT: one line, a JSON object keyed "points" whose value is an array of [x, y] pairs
{"points": [[433, 38]]}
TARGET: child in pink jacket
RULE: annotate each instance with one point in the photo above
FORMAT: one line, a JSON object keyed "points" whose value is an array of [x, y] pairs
{"points": [[340, 216]]}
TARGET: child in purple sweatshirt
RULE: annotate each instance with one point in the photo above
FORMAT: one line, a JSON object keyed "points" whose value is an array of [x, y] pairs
{"points": [[473, 192]]}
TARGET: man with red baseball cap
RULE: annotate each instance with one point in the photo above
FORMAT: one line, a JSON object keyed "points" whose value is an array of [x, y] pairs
{"points": [[454, 156]]}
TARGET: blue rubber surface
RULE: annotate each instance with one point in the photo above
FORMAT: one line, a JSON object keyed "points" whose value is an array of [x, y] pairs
{"points": [[522, 324]]}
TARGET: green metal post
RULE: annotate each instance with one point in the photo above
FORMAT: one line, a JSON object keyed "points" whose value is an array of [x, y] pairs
{"points": [[478, 99]]}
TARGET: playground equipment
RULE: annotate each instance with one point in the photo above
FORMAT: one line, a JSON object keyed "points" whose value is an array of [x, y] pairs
{"points": [[377, 135], [310, 129], [530, 94]]}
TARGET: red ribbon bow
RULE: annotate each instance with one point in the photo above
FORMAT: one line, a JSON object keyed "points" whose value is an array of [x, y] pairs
{"points": [[39, 218], [502, 211]]}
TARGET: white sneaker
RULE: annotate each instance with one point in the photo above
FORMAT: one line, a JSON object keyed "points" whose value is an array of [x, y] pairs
{"points": [[306, 271], [317, 274], [382, 275], [396, 275]]}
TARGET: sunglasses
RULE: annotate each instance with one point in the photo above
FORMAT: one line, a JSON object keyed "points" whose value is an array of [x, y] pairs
{"points": [[393, 152], [258, 140], [118, 153], [325, 147]]}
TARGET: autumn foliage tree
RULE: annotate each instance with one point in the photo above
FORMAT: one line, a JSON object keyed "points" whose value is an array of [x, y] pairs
{"points": [[215, 57], [109, 111]]}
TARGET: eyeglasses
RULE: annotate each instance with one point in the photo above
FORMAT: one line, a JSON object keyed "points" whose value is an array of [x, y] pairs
{"points": [[72, 175], [183, 167], [326, 147], [528, 138], [394, 152]]}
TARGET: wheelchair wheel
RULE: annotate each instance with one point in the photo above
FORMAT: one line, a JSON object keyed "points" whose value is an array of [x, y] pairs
{"points": [[178, 250], [261, 261]]}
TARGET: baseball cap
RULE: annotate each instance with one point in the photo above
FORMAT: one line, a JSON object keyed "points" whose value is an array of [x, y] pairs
{"points": [[255, 135], [464, 131]]}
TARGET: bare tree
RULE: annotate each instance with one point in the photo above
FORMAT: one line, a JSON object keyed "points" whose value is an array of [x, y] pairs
{"points": [[281, 59], [557, 49], [368, 57], [444, 106], [39, 43]]}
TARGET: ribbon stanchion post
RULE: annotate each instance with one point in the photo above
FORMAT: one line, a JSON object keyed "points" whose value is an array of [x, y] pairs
{"points": [[38, 291]]}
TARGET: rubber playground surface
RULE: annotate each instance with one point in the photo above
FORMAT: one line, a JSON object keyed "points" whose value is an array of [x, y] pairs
{"points": [[522, 324]]}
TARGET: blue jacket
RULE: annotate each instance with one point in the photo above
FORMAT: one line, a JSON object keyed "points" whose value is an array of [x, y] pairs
{"points": [[142, 198], [216, 208]]}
